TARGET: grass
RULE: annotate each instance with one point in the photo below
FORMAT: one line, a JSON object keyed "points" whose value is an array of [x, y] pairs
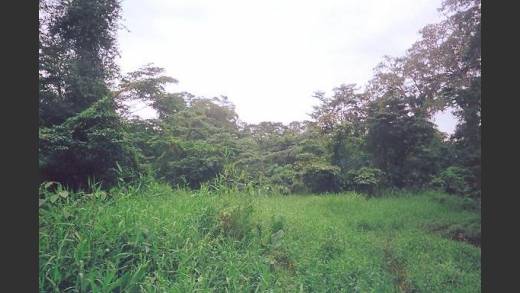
{"points": [[155, 239]]}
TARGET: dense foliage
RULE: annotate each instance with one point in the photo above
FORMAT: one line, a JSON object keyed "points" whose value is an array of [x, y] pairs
{"points": [[363, 139], [151, 238], [197, 200]]}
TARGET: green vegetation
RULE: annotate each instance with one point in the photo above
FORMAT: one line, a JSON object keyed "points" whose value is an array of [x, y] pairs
{"points": [[151, 238], [196, 199], [358, 139]]}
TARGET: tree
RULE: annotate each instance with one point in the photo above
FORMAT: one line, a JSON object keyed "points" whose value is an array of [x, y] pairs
{"points": [[90, 144], [346, 106], [397, 139], [442, 69], [81, 134], [147, 85], [446, 57], [76, 59], [467, 136]]}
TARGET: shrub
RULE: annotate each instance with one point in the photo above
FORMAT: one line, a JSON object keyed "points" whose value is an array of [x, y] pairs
{"points": [[452, 180], [365, 179], [322, 178], [88, 145], [284, 177], [188, 163], [235, 222]]}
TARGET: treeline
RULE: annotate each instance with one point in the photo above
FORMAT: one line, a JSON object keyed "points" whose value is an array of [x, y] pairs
{"points": [[363, 139]]}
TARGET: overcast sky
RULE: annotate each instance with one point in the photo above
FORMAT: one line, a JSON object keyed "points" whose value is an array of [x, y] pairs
{"points": [[270, 56]]}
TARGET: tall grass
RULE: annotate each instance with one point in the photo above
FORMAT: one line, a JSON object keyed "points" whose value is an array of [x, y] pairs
{"points": [[148, 237]]}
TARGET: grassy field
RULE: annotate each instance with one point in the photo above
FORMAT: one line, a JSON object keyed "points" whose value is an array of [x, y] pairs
{"points": [[156, 239]]}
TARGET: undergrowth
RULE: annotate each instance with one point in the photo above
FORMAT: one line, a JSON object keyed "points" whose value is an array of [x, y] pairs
{"points": [[148, 237]]}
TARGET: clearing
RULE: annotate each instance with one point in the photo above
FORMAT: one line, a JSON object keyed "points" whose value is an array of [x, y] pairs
{"points": [[159, 239]]}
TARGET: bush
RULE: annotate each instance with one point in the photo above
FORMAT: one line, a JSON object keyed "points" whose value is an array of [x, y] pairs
{"points": [[283, 176], [92, 144], [188, 163], [322, 178], [236, 222], [452, 180], [365, 179]]}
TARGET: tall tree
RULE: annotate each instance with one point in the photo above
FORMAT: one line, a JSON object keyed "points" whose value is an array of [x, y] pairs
{"points": [[398, 140], [77, 52], [81, 134]]}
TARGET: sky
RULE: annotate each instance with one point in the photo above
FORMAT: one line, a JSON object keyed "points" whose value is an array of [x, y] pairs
{"points": [[269, 57]]}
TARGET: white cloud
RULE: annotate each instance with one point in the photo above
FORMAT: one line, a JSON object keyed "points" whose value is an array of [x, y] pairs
{"points": [[269, 56]]}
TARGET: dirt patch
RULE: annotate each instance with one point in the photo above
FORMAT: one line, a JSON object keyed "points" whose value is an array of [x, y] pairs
{"points": [[465, 233]]}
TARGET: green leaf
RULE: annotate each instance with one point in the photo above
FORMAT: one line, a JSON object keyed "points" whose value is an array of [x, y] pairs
{"points": [[119, 167], [63, 193], [54, 198], [102, 195], [42, 202]]}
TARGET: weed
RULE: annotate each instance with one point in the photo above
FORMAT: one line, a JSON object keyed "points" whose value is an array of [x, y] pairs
{"points": [[148, 237]]}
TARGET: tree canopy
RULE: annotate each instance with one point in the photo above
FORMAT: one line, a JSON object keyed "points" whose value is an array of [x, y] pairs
{"points": [[379, 136]]}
